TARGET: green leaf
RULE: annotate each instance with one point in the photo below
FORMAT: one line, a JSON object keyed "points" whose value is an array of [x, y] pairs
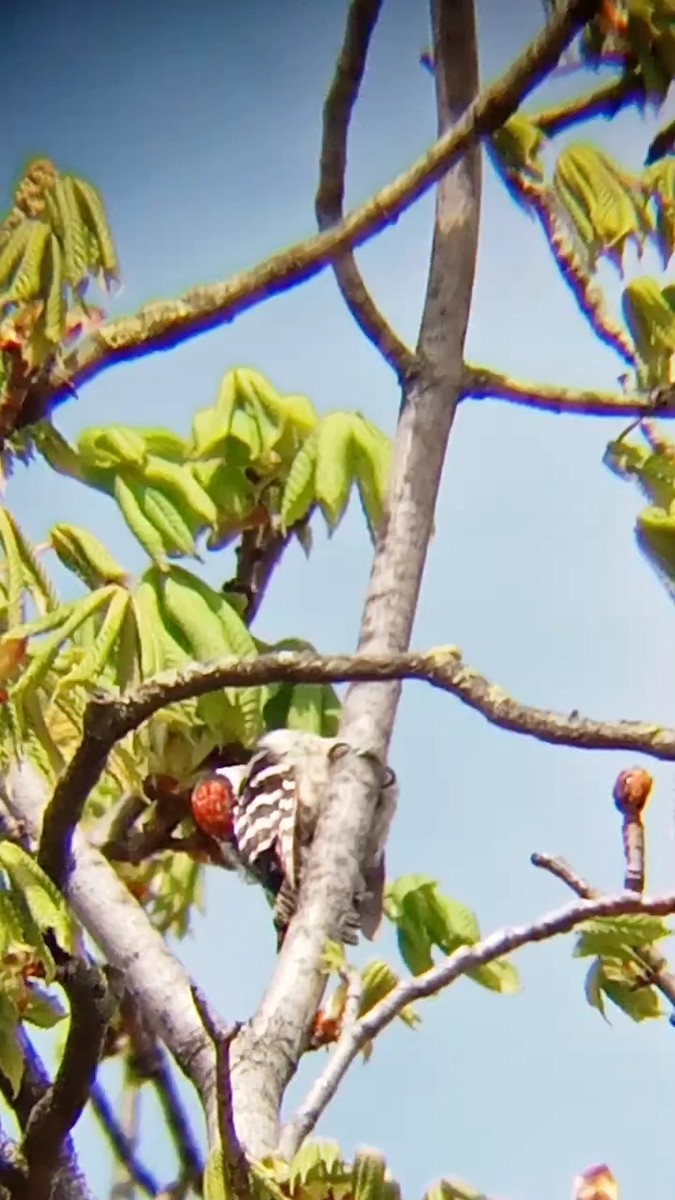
{"points": [[399, 889], [163, 443], [313, 707], [12, 930], [41, 1009], [618, 935], [593, 987], [371, 465], [499, 976], [214, 1184], [35, 578], [42, 897], [102, 652], [638, 1003], [14, 570], [453, 1189], [11, 1056], [334, 476], [108, 448], [129, 494], [316, 1161], [300, 488], [368, 1173], [48, 649], [377, 981]]}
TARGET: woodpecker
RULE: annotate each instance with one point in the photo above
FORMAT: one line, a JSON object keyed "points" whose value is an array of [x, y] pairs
{"points": [[280, 799]]}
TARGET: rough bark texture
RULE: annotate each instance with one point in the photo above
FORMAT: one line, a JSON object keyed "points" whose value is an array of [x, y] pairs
{"points": [[122, 931], [266, 1054]]}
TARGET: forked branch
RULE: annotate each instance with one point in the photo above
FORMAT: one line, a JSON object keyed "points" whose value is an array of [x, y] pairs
{"points": [[166, 323], [342, 95], [447, 972]]}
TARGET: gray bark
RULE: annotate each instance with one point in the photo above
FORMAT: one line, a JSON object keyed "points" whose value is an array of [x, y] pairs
{"points": [[266, 1054]]}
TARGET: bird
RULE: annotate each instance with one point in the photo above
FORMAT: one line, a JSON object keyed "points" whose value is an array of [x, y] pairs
{"points": [[268, 815]]}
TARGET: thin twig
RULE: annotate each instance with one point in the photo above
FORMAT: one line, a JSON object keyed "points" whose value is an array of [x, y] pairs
{"points": [[606, 101], [108, 719], [222, 1036], [122, 1145], [123, 1186], [166, 323], [259, 552], [362, 17], [453, 967], [481, 383], [178, 1124], [650, 959]]}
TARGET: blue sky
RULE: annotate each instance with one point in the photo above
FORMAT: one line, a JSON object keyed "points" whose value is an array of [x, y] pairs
{"points": [[200, 123]]}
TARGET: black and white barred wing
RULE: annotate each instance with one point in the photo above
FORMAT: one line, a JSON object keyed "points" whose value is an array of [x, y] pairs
{"points": [[266, 818]]}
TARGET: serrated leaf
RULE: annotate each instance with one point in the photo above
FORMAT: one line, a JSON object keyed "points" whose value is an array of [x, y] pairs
{"points": [[300, 487], [169, 521], [129, 496], [82, 553], [180, 481], [14, 572], [26, 282], [90, 204], [35, 578], [368, 1173], [333, 479], [315, 1160], [11, 925], [55, 306], [160, 651], [611, 935], [42, 897], [48, 649], [101, 653]]}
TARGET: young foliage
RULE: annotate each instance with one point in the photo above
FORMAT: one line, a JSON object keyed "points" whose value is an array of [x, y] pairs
{"points": [[425, 920], [617, 972]]}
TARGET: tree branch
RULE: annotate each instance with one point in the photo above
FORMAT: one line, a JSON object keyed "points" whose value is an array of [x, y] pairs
{"points": [[177, 1123], [361, 20], [602, 102], [122, 1146], [59, 1109], [118, 925], [481, 383], [165, 323], [110, 718], [266, 1054], [69, 1182], [453, 967], [648, 958]]}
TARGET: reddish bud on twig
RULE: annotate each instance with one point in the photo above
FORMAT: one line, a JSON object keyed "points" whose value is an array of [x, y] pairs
{"points": [[595, 1183], [632, 791]]}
